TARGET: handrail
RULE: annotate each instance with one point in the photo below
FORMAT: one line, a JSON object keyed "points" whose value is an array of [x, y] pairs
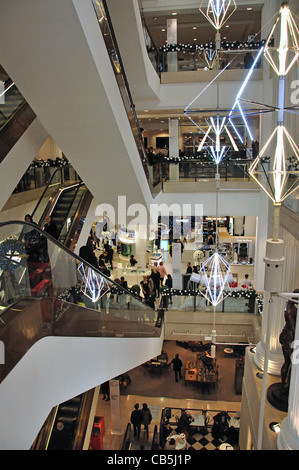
{"points": [[126, 97], [118, 288], [50, 182]]}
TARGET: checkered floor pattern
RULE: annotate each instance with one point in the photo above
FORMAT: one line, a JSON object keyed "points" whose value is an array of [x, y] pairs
{"points": [[204, 440]]}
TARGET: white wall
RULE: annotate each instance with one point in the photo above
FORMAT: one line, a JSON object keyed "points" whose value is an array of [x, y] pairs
{"points": [[57, 369]]}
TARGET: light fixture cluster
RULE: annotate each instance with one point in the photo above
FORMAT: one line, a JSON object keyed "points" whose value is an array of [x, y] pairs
{"points": [[281, 145]]}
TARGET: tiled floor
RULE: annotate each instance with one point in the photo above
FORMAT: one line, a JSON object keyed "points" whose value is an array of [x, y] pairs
{"points": [[202, 441]]}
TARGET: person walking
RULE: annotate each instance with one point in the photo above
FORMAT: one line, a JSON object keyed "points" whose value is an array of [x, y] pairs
{"points": [[146, 418], [177, 366], [136, 420], [155, 275], [162, 272]]}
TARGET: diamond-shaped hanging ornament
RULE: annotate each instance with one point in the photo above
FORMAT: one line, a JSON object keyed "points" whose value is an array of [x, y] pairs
{"points": [[218, 12], [283, 179], [210, 56], [215, 279], [286, 53], [94, 286]]}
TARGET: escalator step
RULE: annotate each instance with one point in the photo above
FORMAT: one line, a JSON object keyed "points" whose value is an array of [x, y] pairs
{"points": [[68, 409]]}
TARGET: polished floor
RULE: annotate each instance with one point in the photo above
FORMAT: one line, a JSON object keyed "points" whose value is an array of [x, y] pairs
{"points": [[200, 441], [113, 439]]}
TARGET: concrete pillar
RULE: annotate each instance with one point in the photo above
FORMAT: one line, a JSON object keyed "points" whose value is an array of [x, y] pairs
{"points": [[273, 312], [172, 57], [173, 148]]}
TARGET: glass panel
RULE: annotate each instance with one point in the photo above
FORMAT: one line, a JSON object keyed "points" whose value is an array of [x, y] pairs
{"points": [[239, 301], [10, 102], [34, 265]]}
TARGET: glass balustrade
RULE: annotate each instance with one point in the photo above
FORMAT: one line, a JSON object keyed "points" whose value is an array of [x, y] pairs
{"points": [[10, 101], [238, 301], [33, 265]]}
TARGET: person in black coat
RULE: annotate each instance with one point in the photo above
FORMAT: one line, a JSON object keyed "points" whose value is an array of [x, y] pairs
{"points": [[50, 227], [87, 254], [136, 420], [177, 366]]}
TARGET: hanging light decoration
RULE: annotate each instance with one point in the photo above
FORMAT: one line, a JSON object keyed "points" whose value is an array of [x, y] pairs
{"points": [[215, 277], [217, 11], [94, 286], [275, 182]]}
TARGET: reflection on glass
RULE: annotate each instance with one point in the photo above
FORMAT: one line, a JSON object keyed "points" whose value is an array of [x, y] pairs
{"points": [[35, 265]]}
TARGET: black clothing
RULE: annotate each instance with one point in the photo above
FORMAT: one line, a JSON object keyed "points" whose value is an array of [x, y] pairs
{"points": [[156, 280], [136, 420], [177, 365], [88, 255], [145, 289], [51, 229]]}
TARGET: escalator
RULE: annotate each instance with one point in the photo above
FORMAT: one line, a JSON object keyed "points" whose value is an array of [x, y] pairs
{"points": [[15, 115], [57, 298], [67, 202]]}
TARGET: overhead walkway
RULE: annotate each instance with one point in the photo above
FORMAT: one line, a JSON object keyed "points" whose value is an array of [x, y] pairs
{"points": [[65, 328]]}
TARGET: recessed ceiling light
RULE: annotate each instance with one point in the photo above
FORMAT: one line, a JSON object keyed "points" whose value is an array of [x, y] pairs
{"points": [[249, 8], [194, 27], [174, 13], [227, 26]]}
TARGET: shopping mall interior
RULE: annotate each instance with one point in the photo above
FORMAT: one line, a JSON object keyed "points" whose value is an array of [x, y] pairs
{"points": [[149, 225]]}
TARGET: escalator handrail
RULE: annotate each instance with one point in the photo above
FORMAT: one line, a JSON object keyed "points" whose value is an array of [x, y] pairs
{"points": [[47, 187], [79, 185], [74, 255]]}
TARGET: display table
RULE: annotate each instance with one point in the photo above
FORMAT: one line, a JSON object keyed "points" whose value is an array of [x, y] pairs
{"points": [[180, 441], [190, 372], [199, 420]]}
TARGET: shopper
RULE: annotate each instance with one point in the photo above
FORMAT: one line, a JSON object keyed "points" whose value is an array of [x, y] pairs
{"points": [[106, 391], [146, 418], [136, 420], [246, 283], [50, 227], [162, 272], [177, 366], [189, 268], [133, 261], [145, 288], [155, 275]]}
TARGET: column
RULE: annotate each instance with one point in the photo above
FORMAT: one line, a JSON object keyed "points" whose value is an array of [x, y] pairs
{"points": [[115, 407], [141, 245], [288, 438], [172, 57], [173, 148], [273, 311], [176, 266]]}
